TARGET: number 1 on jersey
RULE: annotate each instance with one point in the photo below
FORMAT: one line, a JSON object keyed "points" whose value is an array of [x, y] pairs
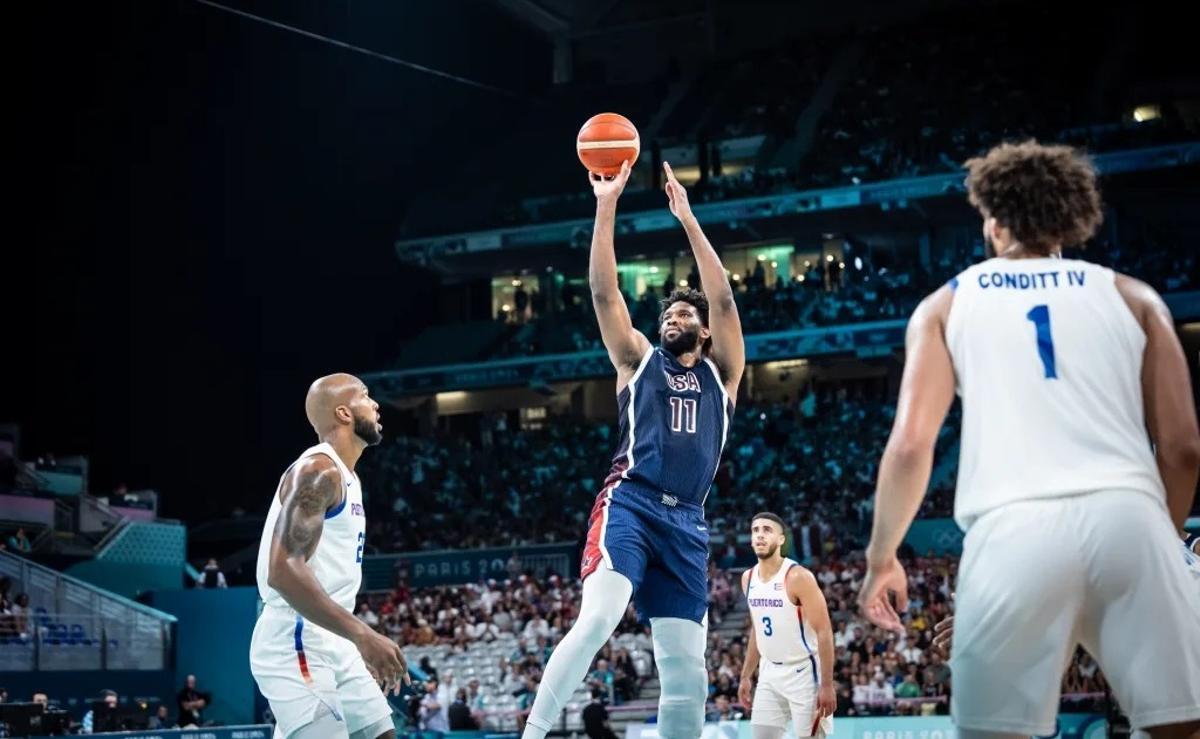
{"points": [[1040, 315]]}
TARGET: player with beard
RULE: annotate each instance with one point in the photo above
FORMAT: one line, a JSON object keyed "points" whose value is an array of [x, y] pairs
{"points": [[788, 619], [647, 536], [319, 666]]}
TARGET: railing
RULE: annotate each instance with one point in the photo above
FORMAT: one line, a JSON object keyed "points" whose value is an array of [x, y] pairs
{"points": [[85, 641], [77, 626]]}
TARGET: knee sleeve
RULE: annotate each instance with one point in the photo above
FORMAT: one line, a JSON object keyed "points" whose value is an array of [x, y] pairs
{"points": [[679, 652]]}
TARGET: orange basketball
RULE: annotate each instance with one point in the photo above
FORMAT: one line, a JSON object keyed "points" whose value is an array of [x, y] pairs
{"points": [[605, 141]]}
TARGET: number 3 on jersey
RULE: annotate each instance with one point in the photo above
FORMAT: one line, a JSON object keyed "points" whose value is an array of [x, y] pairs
{"points": [[1040, 315], [767, 631]]}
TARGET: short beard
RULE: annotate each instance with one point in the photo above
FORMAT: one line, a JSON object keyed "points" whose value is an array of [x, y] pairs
{"points": [[770, 553], [367, 431], [685, 341]]}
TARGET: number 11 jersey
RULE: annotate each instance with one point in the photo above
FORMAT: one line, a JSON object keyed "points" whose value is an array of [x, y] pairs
{"points": [[674, 421]]}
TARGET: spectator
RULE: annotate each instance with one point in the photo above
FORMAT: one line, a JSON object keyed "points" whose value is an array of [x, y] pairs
{"points": [[19, 616], [602, 677], [42, 699], [723, 710], [910, 688], [211, 576], [525, 698], [459, 715], [19, 543], [110, 699], [476, 701], [433, 712], [366, 615], [192, 703], [161, 718], [595, 718], [880, 695], [862, 695]]}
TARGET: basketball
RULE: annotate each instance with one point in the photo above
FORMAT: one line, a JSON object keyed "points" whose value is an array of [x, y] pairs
{"points": [[605, 141]]}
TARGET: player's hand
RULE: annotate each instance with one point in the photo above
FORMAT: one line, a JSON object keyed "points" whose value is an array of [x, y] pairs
{"points": [[746, 693], [883, 579], [677, 197], [608, 188], [826, 700], [944, 634], [383, 659]]}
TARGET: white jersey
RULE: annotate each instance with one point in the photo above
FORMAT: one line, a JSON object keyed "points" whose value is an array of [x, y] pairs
{"points": [[337, 561], [782, 634], [1048, 361]]}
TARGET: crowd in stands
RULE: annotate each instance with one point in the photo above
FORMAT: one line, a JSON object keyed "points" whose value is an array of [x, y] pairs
{"points": [[851, 288], [813, 458], [877, 672], [898, 109]]}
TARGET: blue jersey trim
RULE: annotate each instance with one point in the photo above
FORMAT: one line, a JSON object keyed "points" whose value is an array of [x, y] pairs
{"points": [[336, 509]]}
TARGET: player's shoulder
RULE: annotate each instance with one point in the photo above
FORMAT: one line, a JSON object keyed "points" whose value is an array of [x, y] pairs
{"points": [[1143, 300], [315, 464], [317, 471], [799, 574]]}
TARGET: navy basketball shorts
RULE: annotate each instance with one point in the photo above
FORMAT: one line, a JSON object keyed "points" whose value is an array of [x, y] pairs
{"points": [[658, 542]]}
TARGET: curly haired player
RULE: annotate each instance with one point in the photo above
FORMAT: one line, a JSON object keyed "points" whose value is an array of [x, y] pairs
{"points": [[1078, 463]]}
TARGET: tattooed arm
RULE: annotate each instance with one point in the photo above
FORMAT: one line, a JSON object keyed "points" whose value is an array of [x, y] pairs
{"points": [[312, 488]]}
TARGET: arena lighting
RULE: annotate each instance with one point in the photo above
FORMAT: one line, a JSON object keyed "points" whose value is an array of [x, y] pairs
{"points": [[858, 263], [683, 283], [774, 265], [762, 257], [787, 364], [506, 307], [653, 270], [736, 277], [828, 257], [841, 265], [800, 278], [1143, 113], [516, 283]]}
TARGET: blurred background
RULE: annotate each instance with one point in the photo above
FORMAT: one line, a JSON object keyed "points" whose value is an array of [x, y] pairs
{"points": [[222, 202]]}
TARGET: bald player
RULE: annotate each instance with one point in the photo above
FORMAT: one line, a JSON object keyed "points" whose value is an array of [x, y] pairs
{"points": [[319, 666]]}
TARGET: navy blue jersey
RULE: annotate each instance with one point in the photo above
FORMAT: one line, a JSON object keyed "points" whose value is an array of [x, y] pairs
{"points": [[674, 420]]}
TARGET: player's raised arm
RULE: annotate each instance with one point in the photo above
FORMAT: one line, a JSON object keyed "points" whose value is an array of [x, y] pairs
{"points": [[314, 487], [624, 343], [1167, 396], [802, 587], [728, 347]]}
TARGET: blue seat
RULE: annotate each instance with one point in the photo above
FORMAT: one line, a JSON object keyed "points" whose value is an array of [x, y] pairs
{"points": [[77, 634]]}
